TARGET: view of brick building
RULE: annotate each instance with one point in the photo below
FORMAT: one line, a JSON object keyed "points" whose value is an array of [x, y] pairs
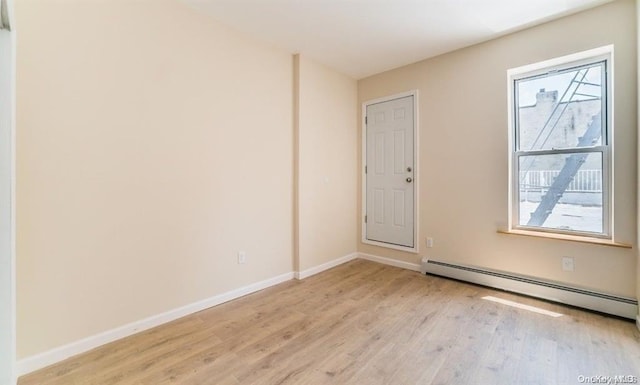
{"points": [[550, 123]]}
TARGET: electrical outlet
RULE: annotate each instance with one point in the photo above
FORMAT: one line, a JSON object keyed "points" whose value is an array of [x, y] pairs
{"points": [[567, 263], [242, 257], [429, 242]]}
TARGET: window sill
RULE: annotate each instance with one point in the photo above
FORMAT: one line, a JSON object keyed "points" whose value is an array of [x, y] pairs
{"points": [[565, 237]]}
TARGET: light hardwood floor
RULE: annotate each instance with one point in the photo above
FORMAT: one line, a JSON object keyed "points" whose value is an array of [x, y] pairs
{"points": [[365, 323]]}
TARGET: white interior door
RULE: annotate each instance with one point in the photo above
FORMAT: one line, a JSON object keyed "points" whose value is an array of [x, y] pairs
{"points": [[390, 172]]}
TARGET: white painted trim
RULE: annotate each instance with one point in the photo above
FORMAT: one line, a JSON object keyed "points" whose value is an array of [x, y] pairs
{"points": [[604, 53], [390, 245], [30, 364], [389, 261], [14, 342], [562, 60], [511, 194], [387, 98], [357, 255], [39, 361], [325, 266], [416, 176], [12, 226], [638, 321]]}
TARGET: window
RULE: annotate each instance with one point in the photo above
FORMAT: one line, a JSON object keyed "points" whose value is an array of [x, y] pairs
{"points": [[561, 154]]}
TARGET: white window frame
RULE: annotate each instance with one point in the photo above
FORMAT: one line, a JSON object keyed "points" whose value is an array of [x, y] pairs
{"points": [[601, 54]]}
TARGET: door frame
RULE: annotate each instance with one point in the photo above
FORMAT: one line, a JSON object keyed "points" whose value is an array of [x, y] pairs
{"points": [[416, 175], [7, 163]]}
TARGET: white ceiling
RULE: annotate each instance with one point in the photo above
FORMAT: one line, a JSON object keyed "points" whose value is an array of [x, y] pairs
{"points": [[365, 37]]}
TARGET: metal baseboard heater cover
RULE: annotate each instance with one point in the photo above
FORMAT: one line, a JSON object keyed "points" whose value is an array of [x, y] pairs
{"points": [[549, 290]]}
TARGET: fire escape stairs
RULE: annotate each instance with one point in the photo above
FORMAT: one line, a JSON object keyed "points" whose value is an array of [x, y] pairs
{"points": [[574, 161]]}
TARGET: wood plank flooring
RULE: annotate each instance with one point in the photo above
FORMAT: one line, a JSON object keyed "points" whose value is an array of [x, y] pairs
{"points": [[365, 323]]}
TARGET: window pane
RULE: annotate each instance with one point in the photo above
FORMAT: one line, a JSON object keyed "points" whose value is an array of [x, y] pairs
{"points": [[561, 191], [561, 110]]}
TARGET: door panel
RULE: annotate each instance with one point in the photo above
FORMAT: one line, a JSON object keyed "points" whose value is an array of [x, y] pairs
{"points": [[399, 208], [390, 172]]}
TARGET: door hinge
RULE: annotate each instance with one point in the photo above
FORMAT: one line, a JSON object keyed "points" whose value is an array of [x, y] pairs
{"points": [[366, 120], [365, 219], [365, 169]]}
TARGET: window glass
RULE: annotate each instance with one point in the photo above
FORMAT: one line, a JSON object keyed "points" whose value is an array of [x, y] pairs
{"points": [[560, 168], [556, 110], [554, 197]]}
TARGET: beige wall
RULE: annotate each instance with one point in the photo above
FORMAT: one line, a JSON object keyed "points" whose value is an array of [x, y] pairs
{"points": [[152, 146], [327, 161], [463, 143]]}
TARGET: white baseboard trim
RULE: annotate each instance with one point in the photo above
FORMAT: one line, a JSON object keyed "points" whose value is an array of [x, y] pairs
{"points": [[325, 266], [638, 321], [389, 261], [39, 361]]}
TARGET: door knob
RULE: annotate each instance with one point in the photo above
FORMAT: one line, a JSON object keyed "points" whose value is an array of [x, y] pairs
{"points": [[409, 180]]}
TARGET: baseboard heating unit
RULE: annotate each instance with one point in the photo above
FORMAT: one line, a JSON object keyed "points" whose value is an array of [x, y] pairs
{"points": [[549, 290]]}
